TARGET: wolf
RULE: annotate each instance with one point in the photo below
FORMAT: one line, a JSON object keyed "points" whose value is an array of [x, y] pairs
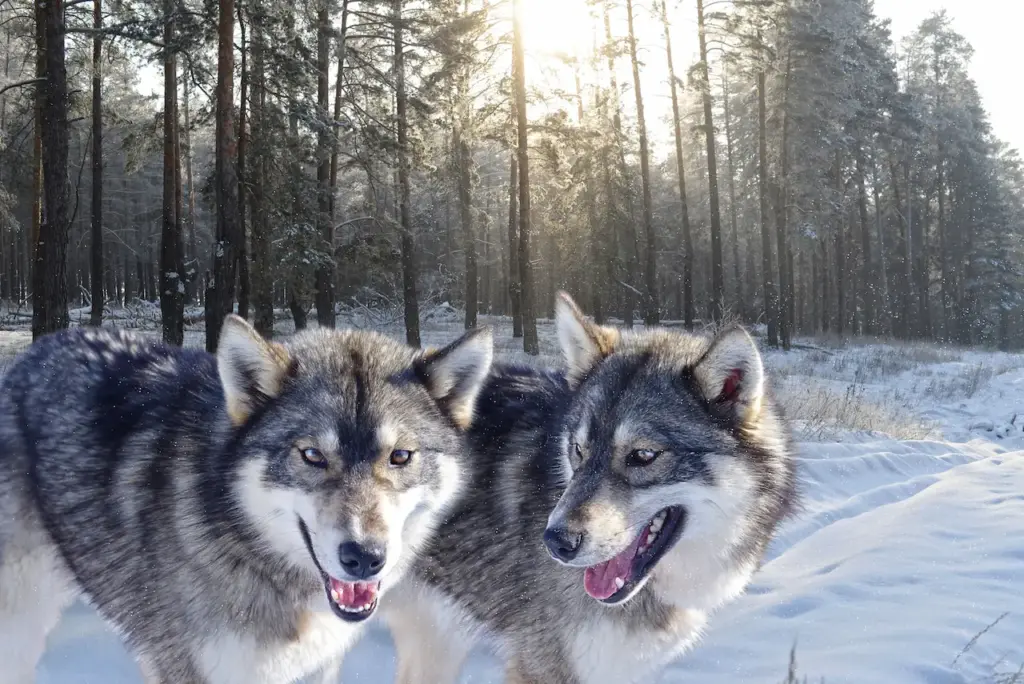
{"points": [[654, 470], [236, 517]]}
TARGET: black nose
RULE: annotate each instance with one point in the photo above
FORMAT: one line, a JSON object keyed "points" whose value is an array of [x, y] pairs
{"points": [[562, 544], [361, 561]]}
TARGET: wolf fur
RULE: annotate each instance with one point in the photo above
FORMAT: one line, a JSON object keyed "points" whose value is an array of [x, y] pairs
{"points": [[232, 517], [642, 427]]}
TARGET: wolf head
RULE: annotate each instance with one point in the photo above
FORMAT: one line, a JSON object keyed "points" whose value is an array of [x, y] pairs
{"points": [[676, 462], [350, 445]]}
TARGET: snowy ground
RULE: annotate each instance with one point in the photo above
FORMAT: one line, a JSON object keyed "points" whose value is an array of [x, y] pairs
{"points": [[908, 547]]}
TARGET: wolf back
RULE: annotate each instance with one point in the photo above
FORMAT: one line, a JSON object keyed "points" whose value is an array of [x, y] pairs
{"points": [[647, 551], [234, 517]]}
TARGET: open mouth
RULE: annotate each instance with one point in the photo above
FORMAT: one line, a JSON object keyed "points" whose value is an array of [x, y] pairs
{"points": [[351, 601], [614, 580]]}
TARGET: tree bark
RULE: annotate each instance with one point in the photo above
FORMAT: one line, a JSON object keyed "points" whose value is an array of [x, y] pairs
{"points": [[530, 343], [338, 82], [464, 162], [325, 144], [767, 267], [840, 247], [192, 269], [513, 245], [262, 265], [225, 258], [243, 160], [867, 279], [684, 212], [785, 255], [50, 291], [717, 278], [96, 247], [652, 310], [740, 304], [412, 308], [172, 286]]}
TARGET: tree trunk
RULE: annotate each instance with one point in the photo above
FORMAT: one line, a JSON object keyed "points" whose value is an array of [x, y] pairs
{"points": [[740, 304], [464, 162], [243, 160], [262, 283], [50, 287], [771, 310], [96, 248], [192, 270], [172, 287], [867, 277], [884, 311], [629, 237], [412, 308], [652, 310], [717, 278], [594, 282], [225, 259], [324, 144], [338, 82], [784, 313], [513, 244], [840, 247], [530, 343], [684, 213]]}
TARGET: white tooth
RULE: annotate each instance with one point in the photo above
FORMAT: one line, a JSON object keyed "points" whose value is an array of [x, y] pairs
{"points": [[651, 538], [619, 582], [335, 596], [656, 525]]}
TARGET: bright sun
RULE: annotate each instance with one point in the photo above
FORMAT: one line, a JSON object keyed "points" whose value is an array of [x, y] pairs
{"points": [[557, 26]]}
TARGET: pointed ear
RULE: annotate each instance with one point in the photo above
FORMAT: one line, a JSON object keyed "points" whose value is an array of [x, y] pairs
{"points": [[455, 374], [730, 376], [583, 343], [251, 369]]}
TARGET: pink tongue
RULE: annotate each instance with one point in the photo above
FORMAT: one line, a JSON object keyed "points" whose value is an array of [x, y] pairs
{"points": [[355, 594], [599, 580]]}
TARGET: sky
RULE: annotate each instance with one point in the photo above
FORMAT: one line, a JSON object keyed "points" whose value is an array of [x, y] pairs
{"points": [[995, 28]]}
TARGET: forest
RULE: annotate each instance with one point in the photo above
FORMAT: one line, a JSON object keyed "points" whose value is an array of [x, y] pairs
{"points": [[781, 163]]}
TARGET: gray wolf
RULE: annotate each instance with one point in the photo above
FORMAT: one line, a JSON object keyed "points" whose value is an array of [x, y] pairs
{"points": [[234, 517], [654, 470]]}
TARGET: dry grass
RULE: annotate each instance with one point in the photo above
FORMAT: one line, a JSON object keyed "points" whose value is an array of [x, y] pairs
{"points": [[821, 413]]}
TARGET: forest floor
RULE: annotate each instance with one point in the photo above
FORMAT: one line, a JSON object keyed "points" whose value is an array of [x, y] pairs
{"points": [[905, 565]]}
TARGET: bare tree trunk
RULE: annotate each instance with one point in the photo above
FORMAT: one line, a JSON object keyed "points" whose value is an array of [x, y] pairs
{"points": [[684, 213], [192, 270], [50, 285], [412, 309], [771, 310], [652, 310], [225, 259], [629, 236], [867, 274], [530, 343], [594, 282], [840, 247], [96, 248], [884, 313], [740, 303], [338, 82], [784, 312], [243, 159], [717, 279], [172, 287], [262, 265], [513, 245], [464, 160], [324, 144]]}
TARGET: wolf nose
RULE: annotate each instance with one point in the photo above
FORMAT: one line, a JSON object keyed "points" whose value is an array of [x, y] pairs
{"points": [[361, 561], [562, 544]]}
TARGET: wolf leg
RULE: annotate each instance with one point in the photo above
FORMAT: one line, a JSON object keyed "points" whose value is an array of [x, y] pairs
{"points": [[35, 588], [427, 651]]}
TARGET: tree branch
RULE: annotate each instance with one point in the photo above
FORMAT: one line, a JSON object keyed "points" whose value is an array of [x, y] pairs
{"points": [[19, 84]]}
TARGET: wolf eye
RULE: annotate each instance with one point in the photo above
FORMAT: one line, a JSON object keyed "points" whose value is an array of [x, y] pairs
{"points": [[643, 457], [400, 457], [579, 450], [314, 457]]}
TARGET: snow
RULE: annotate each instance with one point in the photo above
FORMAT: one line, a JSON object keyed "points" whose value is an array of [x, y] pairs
{"points": [[905, 551]]}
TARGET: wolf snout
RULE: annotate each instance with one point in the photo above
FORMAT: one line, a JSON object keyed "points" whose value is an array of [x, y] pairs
{"points": [[361, 561], [562, 543]]}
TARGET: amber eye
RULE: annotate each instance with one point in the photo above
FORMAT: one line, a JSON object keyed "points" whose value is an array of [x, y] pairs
{"points": [[314, 457], [400, 457], [643, 457]]}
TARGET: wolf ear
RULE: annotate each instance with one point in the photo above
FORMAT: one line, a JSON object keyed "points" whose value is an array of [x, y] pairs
{"points": [[731, 376], [583, 343], [455, 374], [251, 369]]}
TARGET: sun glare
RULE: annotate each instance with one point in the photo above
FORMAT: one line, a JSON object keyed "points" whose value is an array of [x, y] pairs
{"points": [[557, 26]]}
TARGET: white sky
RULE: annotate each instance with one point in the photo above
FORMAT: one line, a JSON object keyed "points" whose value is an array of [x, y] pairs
{"points": [[995, 28]]}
